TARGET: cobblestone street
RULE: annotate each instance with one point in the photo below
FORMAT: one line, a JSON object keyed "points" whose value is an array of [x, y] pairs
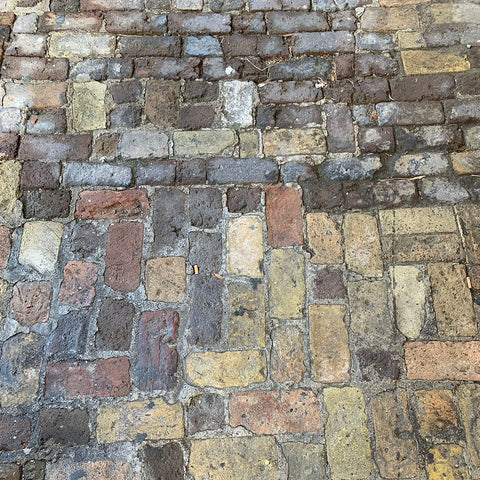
{"points": [[239, 239]]}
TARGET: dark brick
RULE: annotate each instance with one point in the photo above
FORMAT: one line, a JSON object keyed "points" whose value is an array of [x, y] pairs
{"points": [[345, 66], [240, 45], [93, 69], [339, 92], [198, 23], [376, 139], [297, 116], [47, 204], [420, 138], [168, 68], [5, 246], [128, 116], [8, 145], [266, 116], [474, 57], [149, 46], [106, 146], [168, 217], [64, 427], [306, 68], [359, 194], [10, 471], [163, 5], [393, 193], [322, 42], [87, 241], [156, 363], [375, 42], [354, 168], [205, 251], [65, 6], [114, 325], [190, 172], [161, 102], [243, 200], [293, 22], [41, 69], [371, 90], [162, 173], [195, 117], [15, 432], [467, 110], [225, 5], [253, 170], [55, 147], [135, 22], [467, 83], [201, 91], [377, 365], [289, 92], [443, 36], [205, 319], [163, 462], [34, 470], [422, 87], [367, 64], [126, 92], [322, 194], [205, 207], [341, 137], [345, 20], [40, 175], [279, 5], [249, 23], [205, 412], [297, 172], [119, 68], [30, 303], [327, 284], [69, 339]]}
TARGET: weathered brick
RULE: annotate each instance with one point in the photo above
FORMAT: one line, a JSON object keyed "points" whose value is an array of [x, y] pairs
{"points": [[249, 144], [205, 251], [447, 137], [42, 96], [442, 190], [460, 111], [447, 461], [15, 432], [46, 204], [27, 45], [78, 288], [306, 68], [322, 42], [205, 412], [276, 412], [87, 241], [114, 325], [376, 139], [326, 284], [135, 22], [165, 279], [391, 193], [89, 106], [30, 302], [430, 87], [8, 145], [324, 238], [389, 19], [292, 22], [468, 398], [375, 64], [375, 42], [195, 117], [329, 343], [17, 68], [346, 432], [63, 469], [294, 142], [289, 92], [421, 62], [74, 44], [143, 144], [242, 171], [306, 461], [466, 162], [70, 336], [205, 207], [54, 121], [126, 116], [247, 22], [412, 165], [90, 22], [5, 245], [470, 225], [202, 142], [124, 255], [10, 120], [10, 471], [161, 173], [55, 147], [169, 68], [96, 174], [194, 23], [64, 427], [168, 217], [287, 356], [166, 461], [403, 113], [341, 137], [96, 379], [10, 179]]}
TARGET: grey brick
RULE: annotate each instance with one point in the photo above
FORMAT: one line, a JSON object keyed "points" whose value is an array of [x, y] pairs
{"points": [[306, 68], [206, 46], [322, 42], [162, 173], [198, 23], [443, 190], [168, 217], [467, 110], [341, 137], [289, 92], [168, 68], [413, 165], [409, 113], [205, 207], [253, 170], [149, 46], [205, 251], [92, 69], [143, 144], [292, 22], [375, 42], [96, 174], [351, 168]]}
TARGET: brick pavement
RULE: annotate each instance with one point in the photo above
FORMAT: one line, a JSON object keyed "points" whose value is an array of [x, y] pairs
{"points": [[239, 239]]}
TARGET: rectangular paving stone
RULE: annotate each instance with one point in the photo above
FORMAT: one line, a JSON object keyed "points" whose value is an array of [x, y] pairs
{"points": [[96, 174], [447, 462], [287, 284], [468, 397], [426, 62], [78, 44], [226, 369], [205, 251], [165, 279], [114, 324], [202, 142], [194, 23], [287, 358], [324, 239], [63, 469], [408, 113], [443, 360], [293, 142], [9, 183], [223, 458], [329, 343], [5, 245], [16, 68], [396, 450], [305, 461], [55, 147], [88, 105], [466, 162], [168, 217], [242, 171], [274, 412], [412, 165], [452, 300], [389, 19], [78, 285], [143, 145], [40, 96], [469, 217], [346, 433], [322, 42], [363, 252], [15, 432]]}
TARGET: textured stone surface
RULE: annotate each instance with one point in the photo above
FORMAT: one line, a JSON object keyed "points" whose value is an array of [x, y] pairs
{"points": [[101, 469], [287, 357], [165, 279], [78, 286], [10, 179], [324, 238], [31, 302], [88, 106]]}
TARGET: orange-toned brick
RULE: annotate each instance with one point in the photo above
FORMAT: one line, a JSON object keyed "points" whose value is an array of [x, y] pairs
{"points": [[78, 285]]}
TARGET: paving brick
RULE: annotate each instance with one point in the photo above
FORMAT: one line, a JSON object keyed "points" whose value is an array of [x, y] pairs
{"points": [[89, 106], [5, 245], [421, 62], [245, 246], [340, 128], [223, 458], [247, 22], [166, 461], [460, 111], [322, 42], [375, 42], [94, 379], [17, 68], [101, 469], [143, 144], [106, 5], [243, 171], [430, 87], [389, 19], [69, 340], [326, 284], [202, 142], [294, 142], [205, 251], [376, 140], [396, 451], [226, 369], [64, 427], [168, 217], [87, 241], [10, 471], [54, 121], [114, 324], [55, 147], [465, 162], [276, 412], [10, 120], [324, 238], [40, 245], [46, 204], [10, 179], [249, 144], [447, 461], [287, 284], [78, 286], [30, 302], [289, 92], [468, 397], [83, 45], [375, 64], [20, 361], [247, 315], [404, 113], [161, 173], [412, 165], [165, 279], [168, 68], [346, 433], [292, 22], [15, 432], [205, 207], [442, 190], [470, 225], [50, 21], [8, 145], [205, 412], [156, 363], [194, 23], [329, 343], [124, 256], [306, 68], [287, 356]]}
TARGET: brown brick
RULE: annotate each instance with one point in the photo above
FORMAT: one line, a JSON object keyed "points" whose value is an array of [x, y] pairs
{"points": [[42, 96], [276, 412], [443, 360], [111, 204], [95, 379], [284, 216], [124, 256], [287, 357], [16, 68], [114, 324], [422, 87], [78, 288], [341, 137], [156, 363], [161, 102], [15, 432], [5, 245], [8, 145], [324, 238], [37, 175], [10, 471], [289, 92], [31, 302], [55, 147], [165, 279]]}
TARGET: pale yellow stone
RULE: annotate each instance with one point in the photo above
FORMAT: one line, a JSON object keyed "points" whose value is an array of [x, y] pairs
{"points": [[410, 293], [165, 279], [465, 163], [40, 245], [226, 369], [426, 62], [66, 469], [79, 44], [329, 343], [248, 458], [287, 284], [294, 142], [9, 181], [468, 400], [287, 357], [202, 142], [448, 13], [249, 144], [376, 19], [324, 238], [89, 106], [155, 419], [346, 433], [245, 246], [410, 40], [447, 462], [363, 252], [401, 3], [405, 221]]}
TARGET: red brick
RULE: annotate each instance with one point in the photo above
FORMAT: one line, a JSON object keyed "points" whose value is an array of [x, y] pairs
{"points": [[55, 147], [124, 256], [97, 379], [15, 432], [16, 68], [78, 285], [8, 145], [276, 412], [111, 204], [443, 360], [157, 356], [5, 245], [31, 302], [284, 216]]}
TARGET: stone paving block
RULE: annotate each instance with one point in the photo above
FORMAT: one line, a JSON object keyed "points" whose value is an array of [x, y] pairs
{"points": [[55, 147], [294, 142], [5, 245], [89, 106], [446, 461], [243, 171], [305, 461], [202, 142], [226, 369], [346, 433], [468, 399], [96, 174], [143, 144], [223, 458], [466, 162], [64, 427], [324, 238], [41, 96], [75, 44], [287, 284], [78, 286], [326, 284], [168, 217], [100, 469], [10, 471], [287, 357], [31, 302], [10, 179], [165, 279], [114, 324], [15, 432], [329, 343], [470, 226], [166, 461], [205, 207], [40, 175], [421, 62], [268, 413], [239, 100], [205, 412], [243, 200], [205, 251], [69, 338]]}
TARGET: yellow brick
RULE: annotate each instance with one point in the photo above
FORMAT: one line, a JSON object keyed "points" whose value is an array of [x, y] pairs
{"points": [[154, 418], [423, 62], [410, 40], [447, 463], [448, 13], [377, 19], [294, 142], [9, 181], [466, 162], [249, 144]]}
